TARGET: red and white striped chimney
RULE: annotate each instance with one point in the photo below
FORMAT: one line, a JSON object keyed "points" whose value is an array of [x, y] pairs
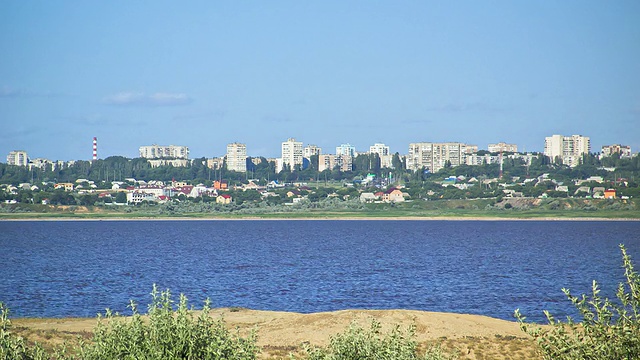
{"points": [[95, 148]]}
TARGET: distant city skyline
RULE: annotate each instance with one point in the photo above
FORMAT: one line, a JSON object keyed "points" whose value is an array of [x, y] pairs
{"points": [[206, 74]]}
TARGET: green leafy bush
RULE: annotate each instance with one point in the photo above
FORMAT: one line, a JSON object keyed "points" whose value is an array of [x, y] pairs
{"points": [[14, 347], [608, 330], [166, 334], [357, 343]]}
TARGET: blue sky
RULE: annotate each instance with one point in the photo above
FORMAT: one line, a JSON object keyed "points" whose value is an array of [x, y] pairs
{"points": [[206, 73]]}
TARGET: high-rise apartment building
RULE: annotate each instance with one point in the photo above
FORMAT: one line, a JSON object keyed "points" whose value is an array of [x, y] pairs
{"points": [[567, 149], [434, 156], [162, 151], [291, 153], [18, 158], [346, 149], [380, 149], [623, 150], [237, 157], [330, 162], [311, 150], [502, 147]]}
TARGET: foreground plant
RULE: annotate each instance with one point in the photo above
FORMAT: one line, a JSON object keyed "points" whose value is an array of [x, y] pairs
{"points": [[166, 334], [13, 346], [357, 343], [608, 330]]}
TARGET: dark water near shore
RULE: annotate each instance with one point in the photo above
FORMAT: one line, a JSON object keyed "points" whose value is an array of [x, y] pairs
{"points": [[79, 268]]}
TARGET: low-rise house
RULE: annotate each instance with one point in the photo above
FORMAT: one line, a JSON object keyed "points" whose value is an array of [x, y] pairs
{"points": [[64, 186], [562, 188], [221, 185], [583, 189], [138, 196], [224, 199], [610, 194], [368, 197], [392, 195]]}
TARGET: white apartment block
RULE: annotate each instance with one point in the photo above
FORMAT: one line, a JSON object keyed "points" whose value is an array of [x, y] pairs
{"points": [[162, 151], [380, 149], [237, 157], [18, 158], [502, 147], [346, 149], [475, 159], [40, 163], [311, 150], [623, 150], [330, 162], [386, 161], [291, 153], [568, 149], [166, 162], [434, 156]]}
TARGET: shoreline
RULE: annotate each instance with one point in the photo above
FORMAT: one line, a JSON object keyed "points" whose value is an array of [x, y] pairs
{"points": [[281, 333], [316, 218]]}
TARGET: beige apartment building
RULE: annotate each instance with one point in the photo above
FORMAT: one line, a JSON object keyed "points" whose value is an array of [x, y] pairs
{"points": [[567, 149], [330, 162], [433, 156], [237, 157], [623, 150], [502, 147], [291, 153]]}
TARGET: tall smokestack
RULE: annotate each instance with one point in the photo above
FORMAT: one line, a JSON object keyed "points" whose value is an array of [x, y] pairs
{"points": [[95, 148]]}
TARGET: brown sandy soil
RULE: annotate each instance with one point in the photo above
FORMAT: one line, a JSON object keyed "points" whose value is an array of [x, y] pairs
{"points": [[282, 333]]}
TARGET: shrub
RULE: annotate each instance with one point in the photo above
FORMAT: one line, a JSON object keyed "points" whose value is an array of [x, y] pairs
{"points": [[14, 347], [608, 330], [167, 334], [357, 343]]}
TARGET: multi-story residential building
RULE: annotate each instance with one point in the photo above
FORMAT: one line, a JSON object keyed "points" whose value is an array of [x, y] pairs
{"points": [[162, 151], [380, 149], [311, 150], [237, 157], [18, 158], [291, 153], [346, 149], [623, 150], [386, 161], [434, 156], [470, 149], [166, 162], [215, 163], [40, 163], [330, 162], [502, 147], [567, 149], [475, 159]]}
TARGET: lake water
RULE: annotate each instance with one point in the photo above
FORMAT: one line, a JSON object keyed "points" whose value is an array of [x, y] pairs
{"points": [[79, 268]]}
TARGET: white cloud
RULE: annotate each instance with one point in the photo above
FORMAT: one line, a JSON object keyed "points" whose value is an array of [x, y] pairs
{"points": [[142, 99]]}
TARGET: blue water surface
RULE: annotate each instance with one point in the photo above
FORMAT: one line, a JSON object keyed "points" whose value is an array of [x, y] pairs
{"points": [[80, 268]]}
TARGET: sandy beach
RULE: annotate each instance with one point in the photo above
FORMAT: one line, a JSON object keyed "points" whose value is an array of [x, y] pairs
{"points": [[282, 333]]}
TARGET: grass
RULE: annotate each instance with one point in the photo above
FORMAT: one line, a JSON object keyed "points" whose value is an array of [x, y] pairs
{"points": [[441, 209]]}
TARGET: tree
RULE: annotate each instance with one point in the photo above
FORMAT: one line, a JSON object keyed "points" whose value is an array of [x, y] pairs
{"points": [[121, 198], [608, 330]]}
